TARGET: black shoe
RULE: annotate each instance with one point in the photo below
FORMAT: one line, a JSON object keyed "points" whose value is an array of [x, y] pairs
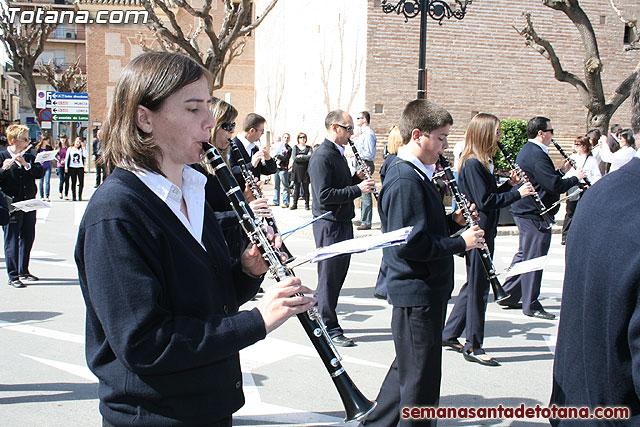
{"points": [[377, 295], [453, 345], [541, 314], [96, 186], [509, 305], [470, 357], [343, 341], [16, 283], [293, 207], [29, 277], [307, 208]]}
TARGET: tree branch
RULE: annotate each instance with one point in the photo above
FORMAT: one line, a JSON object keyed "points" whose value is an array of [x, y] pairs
{"points": [[634, 43]]}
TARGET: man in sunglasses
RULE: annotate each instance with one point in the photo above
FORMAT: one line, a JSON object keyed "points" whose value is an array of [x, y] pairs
{"points": [[333, 189], [258, 159], [534, 235]]}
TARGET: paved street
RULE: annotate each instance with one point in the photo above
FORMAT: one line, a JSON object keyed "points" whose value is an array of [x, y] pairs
{"points": [[45, 382]]}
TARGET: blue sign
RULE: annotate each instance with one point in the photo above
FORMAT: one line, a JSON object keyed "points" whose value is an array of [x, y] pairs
{"points": [[66, 95]]}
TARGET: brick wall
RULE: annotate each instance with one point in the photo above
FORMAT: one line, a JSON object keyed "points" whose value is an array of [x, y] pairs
{"points": [[482, 64]]}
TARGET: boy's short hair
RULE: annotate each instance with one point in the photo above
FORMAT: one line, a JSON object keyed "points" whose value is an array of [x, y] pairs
{"points": [[424, 115]]}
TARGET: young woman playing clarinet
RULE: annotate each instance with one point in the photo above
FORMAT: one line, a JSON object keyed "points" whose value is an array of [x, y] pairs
{"points": [[477, 182]]}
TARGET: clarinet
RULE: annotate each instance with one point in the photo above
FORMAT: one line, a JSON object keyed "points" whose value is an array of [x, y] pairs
{"points": [[570, 160], [362, 166], [498, 291], [542, 210], [250, 180], [356, 405]]}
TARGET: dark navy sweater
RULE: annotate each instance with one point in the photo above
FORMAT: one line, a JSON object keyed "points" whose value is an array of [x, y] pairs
{"points": [[546, 179], [163, 328], [421, 272], [479, 185], [597, 361], [333, 188], [18, 183]]}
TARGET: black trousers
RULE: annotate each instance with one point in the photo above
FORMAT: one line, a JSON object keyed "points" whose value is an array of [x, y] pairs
{"points": [[19, 235], [100, 173], [471, 304], [77, 176], [534, 242], [296, 193], [414, 377], [332, 272], [571, 209]]}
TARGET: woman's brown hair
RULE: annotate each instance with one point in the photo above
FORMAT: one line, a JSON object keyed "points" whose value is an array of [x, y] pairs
{"points": [[148, 80], [480, 139]]}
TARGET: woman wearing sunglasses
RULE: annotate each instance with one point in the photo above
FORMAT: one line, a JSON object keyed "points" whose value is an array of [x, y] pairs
{"points": [[584, 159]]}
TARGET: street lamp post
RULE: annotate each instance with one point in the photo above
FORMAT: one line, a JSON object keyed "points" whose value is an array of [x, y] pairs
{"points": [[437, 10]]}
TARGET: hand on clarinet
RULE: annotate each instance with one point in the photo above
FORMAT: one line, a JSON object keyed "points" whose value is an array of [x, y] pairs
{"points": [[514, 178], [248, 194], [459, 218], [526, 190], [566, 166], [260, 207], [367, 186], [257, 158], [473, 237], [580, 174], [281, 302], [251, 259]]}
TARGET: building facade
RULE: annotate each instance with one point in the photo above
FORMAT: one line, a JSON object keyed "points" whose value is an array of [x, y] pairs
{"points": [[478, 64]]}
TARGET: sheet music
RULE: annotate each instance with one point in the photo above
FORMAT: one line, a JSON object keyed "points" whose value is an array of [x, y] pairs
{"points": [[30, 205], [46, 156]]}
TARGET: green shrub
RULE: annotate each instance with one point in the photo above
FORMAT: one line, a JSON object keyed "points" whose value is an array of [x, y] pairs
{"points": [[514, 136]]}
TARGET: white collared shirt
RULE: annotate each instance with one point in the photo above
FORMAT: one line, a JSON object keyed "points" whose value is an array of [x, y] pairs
{"points": [[248, 146], [192, 191], [338, 146], [405, 154], [541, 145], [14, 155]]}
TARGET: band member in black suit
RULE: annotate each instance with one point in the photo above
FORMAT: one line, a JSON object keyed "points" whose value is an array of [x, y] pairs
{"points": [[18, 181], [333, 189], [419, 275], [598, 347], [477, 182], [258, 159], [534, 235]]}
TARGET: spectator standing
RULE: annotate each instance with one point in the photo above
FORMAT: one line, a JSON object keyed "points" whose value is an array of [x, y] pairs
{"points": [[63, 177], [97, 160], [587, 162], [334, 189], [301, 154], [598, 347], [74, 166], [282, 156], [624, 154], [45, 145], [366, 146], [18, 182]]}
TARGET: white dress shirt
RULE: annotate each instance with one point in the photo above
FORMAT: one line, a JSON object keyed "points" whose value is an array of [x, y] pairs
{"points": [[192, 191], [589, 166], [366, 144], [404, 153], [619, 158]]}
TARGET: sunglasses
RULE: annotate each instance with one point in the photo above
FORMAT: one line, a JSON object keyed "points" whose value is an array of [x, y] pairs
{"points": [[347, 128], [302, 137], [577, 144], [549, 130], [229, 127]]}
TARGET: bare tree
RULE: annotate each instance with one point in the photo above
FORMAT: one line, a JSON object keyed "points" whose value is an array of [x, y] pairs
{"points": [[590, 88], [226, 42], [274, 94], [24, 43], [68, 80], [356, 70]]}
